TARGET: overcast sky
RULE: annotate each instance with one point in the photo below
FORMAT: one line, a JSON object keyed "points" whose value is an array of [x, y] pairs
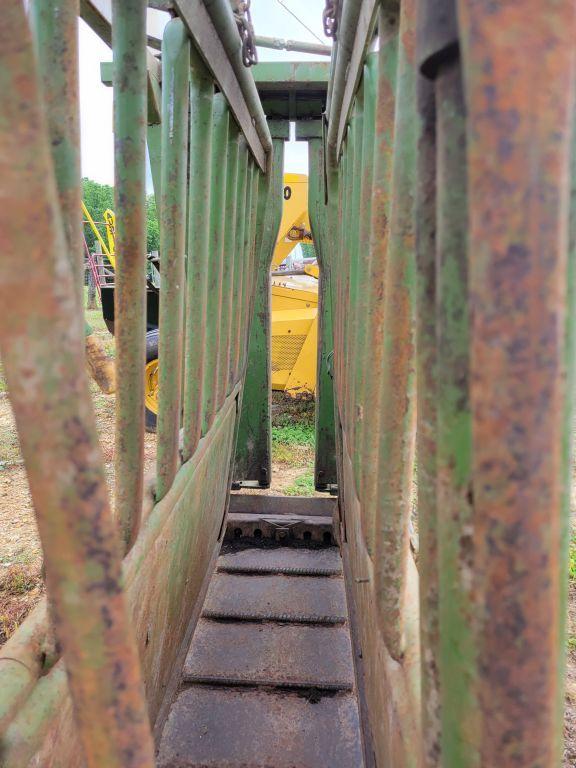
{"points": [[269, 18]]}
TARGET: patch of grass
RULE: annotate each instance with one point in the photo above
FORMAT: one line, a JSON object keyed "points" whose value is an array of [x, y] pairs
{"points": [[302, 486], [3, 385], [572, 559], [292, 430], [293, 434]]}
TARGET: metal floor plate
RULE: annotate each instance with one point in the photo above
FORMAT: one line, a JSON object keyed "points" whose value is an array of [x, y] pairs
{"points": [[271, 654], [282, 598], [268, 681], [321, 562], [257, 729]]}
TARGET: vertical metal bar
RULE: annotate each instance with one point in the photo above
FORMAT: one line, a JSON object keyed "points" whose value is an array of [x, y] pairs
{"points": [[175, 96], [378, 247], [240, 263], [228, 265], [53, 411], [201, 117], [219, 172], [362, 355], [248, 274], [397, 401], [251, 276], [325, 459], [519, 64], [130, 112], [253, 453], [569, 413], [55, 31], [427, 387], [454, 437], [344, 199], [352, 252], [350, 243]]}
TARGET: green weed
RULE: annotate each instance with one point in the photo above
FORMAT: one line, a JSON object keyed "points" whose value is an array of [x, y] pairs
{"points": [[302, 486], [293, 434]]}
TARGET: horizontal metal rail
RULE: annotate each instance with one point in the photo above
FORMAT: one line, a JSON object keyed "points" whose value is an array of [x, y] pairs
{"points": [[278, 44]]}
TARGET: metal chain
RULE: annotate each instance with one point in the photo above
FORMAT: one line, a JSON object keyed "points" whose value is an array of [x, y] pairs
{"points": [[241, 10], [330, 18]]}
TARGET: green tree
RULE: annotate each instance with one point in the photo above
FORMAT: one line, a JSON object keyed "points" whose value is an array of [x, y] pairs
{"points": [[99, 197], [152, 226]]}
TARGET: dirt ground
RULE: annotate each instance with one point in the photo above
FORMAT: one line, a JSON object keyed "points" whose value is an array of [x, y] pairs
{"points": [[20, 554]]}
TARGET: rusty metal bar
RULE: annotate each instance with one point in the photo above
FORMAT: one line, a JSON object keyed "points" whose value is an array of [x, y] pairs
{"points": [[363, 354], [521, 64], [426, 437], [201, 108], [378, 247], [130, 113], [55, 33], [455, 520], [52, 406], [219, 173], [397, 401], [175, 99]]}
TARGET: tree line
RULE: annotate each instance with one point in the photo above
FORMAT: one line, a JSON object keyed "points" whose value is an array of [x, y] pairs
{"points": [[99, 197]]}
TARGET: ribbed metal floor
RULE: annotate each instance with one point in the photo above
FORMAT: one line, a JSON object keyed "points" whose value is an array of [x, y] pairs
{"points": [[269, 679]]}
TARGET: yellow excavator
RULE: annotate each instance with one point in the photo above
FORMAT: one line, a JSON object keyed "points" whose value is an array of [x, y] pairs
{"points": [[294, 289], [294, 296]]}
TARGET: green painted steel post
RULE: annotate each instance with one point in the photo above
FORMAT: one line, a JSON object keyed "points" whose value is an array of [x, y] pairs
{"points": [[359, 288], [239, 266], [343, 207], [325, 449], [378, 247], [251, 273], [54, 26], [42, 349], [457, 661], [352, 250], [253, 452], [175, 97], [229, 252], [396, 407], [566, 530], [219, 172], [426, 433], [201, 117], [130, 109]]}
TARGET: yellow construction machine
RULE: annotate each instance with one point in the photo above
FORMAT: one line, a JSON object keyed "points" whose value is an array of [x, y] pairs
{"points": [[294, 297], [294, 289]]}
